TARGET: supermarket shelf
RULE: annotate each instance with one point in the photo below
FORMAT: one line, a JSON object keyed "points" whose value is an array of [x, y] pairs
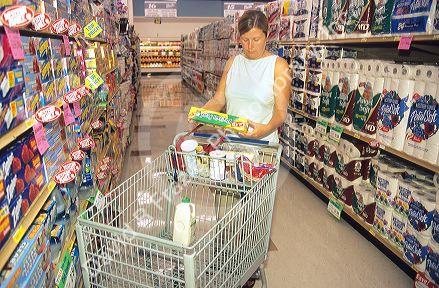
{"points": [[29, 32], [160, 70], [390, 150], [25, 223], [193, 68], [369, 232], [219, 76], [369, 39], [192, 50], [109, 72]]}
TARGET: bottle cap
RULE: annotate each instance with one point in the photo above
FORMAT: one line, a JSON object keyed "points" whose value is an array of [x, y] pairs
{"points": [[186, 200]]}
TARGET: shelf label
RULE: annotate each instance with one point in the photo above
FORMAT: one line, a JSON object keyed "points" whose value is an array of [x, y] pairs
{"points": [[92, 29], [321, 127], [93, 81], [335, 208], [335, 133], [30, 122], [68, 116], [14, 40], [18, 234], [52, 185], [405, 42], [40, 137]]}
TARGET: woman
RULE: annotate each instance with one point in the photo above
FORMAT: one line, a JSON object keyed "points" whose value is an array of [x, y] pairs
{"points": [[256, 84]]}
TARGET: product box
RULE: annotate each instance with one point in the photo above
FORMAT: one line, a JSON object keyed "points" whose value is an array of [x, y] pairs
{"points": [[43, 48], [62, 86], [32, 103], [59, 67], [46, 71], [5, 226], [49, 92], [6, 59], [12, 80], [58, 49], [25, 256], [13, 112], [33, 83], [29, 47]]}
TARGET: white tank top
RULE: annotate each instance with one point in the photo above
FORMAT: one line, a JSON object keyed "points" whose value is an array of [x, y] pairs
{"points": [[250, 90]]}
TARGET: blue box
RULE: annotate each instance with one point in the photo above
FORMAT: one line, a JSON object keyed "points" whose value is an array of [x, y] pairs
{"points": [[60, 67], [43, 47], [46, 71], [5, 226], [12, 82]]}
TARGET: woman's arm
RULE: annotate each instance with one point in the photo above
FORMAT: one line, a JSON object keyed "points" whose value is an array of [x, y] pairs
{"points": [[282, 92], [218, 101]]}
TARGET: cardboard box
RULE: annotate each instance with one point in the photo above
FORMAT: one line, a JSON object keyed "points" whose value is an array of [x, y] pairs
{"points": [[12, 113], [49, 92], [43, 46], [46, 71]]}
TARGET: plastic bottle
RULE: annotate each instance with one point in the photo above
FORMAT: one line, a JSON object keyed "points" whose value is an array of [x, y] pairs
{"points": [[184, 222]]}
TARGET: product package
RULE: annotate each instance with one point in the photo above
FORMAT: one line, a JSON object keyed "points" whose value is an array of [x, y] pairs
{"points": [[218, 120]]}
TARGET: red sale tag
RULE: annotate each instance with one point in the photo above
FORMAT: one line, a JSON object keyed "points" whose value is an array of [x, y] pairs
{"points": [[40, 137], [405, 42], [66, 44], [68, 116], [15, 42], [77, 108]]}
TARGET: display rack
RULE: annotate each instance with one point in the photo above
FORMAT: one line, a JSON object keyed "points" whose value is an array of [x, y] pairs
{"points": [[349, 215], [390, 150], [160, 56]]}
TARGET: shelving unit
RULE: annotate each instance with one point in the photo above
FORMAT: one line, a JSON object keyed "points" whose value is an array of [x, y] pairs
{"points": [[368, 40], [390, 150], [159, 57], [349, 215]]}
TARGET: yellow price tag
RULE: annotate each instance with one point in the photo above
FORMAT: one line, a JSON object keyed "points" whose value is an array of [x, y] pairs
{"points": [[11, 78], [52, 185], [93, 81], [18, 235], [92, 29], [30, 122], [13, 106], [372, 232]]}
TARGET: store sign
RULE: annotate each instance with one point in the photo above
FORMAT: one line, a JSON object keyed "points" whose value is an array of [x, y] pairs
{"points": [[60, 26], [71, 166], [41, 22], [47, 114], [74, 29], [231, 8], [17, 16], [161, 8], [64, 176]]}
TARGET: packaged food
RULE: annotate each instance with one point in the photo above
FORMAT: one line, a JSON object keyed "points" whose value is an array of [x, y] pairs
{"points": [[219, 120]]}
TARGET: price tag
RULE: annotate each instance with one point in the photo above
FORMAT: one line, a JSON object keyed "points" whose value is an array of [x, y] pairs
{"points": [[92, 29], [335, 133], [68, 116], [52, 185], [321, 127], [40, 137], [335, 208], [405, 42], [99, 200], [77, 108], [30, 122], [372, 232], [93, 81], [15, 42], [66, 44], [13, 106], [18, 234]]}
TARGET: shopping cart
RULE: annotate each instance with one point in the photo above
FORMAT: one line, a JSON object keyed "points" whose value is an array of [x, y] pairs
{"points": [[125, 240]]}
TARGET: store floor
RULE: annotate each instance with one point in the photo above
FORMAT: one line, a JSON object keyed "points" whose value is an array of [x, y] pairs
{"points": [[308, 247]]}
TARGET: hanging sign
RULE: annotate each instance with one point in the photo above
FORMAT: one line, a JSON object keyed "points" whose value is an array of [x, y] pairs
{"points": [[92, 29], [160, 8], [41, 22], [17, 16], [60, 26], [74, 29]]}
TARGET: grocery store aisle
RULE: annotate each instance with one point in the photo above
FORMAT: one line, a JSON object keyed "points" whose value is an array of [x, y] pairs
{"points": [[309, 248]]}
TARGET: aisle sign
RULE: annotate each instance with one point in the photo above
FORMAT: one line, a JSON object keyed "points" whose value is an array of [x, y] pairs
{"points": [[167, 8], [335, 133], [231, 8], [335, 208]]}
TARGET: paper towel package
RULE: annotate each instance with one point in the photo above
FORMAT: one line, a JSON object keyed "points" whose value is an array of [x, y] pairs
{"points": [[348, 82], [314, 21], [328, 95], [328, 178], [313, 82], [416, 248], [312, 103], [411, 16], [334, 18], [352, 169], [387, 188], [435, 227], [432, 262], [363, 203], [300, 162], [312, 145], [309, 166], [435, 22], [330, 155], [285, 32], [374, 168], [368, 99], [320, 153], [406, 188], [421, 212], [359, 17], [356, 149], [318, 172], [273, 12], [297, 98], [381, 17], [383, 219], [394, 110], [344, 189], [397, 230], [301, 28]]}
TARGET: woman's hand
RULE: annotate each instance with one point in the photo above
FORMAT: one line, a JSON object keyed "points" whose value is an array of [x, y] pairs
{"points": [[256, 131]]}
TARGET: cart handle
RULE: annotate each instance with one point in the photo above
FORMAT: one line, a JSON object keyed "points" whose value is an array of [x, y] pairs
{"points": [[235, 139]]}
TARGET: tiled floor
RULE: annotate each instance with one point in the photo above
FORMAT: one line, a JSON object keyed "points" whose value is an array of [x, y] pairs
{"points": [[308, 248]]}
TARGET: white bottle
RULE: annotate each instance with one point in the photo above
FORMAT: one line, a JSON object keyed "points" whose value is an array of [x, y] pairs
{"points": [[184, 222]]}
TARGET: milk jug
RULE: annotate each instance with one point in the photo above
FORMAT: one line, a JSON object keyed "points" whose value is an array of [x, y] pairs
{"points": [[184, 222]]}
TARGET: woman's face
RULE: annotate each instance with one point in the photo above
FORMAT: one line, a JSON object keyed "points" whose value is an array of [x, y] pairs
{"points": [[253, 43]]}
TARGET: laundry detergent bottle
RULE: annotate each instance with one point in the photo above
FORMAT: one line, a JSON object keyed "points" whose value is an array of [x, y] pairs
{"points": [[184, 222]]}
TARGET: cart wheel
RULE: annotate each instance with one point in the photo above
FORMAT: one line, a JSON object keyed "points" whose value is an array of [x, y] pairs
{"points": [[250, 283]]}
